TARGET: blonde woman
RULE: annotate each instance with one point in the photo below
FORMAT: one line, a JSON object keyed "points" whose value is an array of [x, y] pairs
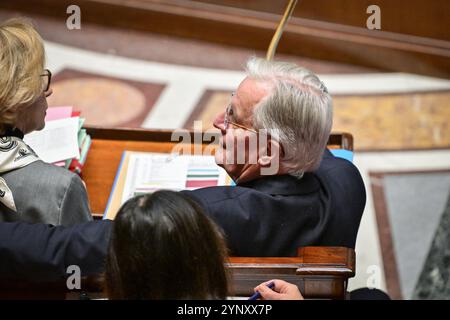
{"points": [[30, 189]]}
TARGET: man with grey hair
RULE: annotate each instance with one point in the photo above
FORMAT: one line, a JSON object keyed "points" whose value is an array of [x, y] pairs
{"points": [[290, 190]]}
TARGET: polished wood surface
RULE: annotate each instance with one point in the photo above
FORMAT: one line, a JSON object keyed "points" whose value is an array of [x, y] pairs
{"points": [[335, 38], [423, 18], [319, 273], [108, 145]]}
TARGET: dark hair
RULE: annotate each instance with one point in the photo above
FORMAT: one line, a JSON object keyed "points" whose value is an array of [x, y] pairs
{"points": [[164, 247]]}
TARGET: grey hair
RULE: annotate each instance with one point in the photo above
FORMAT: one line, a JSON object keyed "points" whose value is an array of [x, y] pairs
{"points": [[298, 112]]}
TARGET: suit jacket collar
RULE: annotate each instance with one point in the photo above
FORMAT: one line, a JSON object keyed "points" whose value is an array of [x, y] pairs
{"points": [[284, 184]]}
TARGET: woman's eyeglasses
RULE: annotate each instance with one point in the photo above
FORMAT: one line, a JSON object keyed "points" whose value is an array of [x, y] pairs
{"points": [[48, 79]]}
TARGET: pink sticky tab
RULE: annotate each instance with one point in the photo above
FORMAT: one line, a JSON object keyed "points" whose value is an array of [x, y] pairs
{"points": [[57, 113]]}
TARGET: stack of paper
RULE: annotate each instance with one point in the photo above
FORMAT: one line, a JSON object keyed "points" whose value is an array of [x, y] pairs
{"points": [[63, 141]]}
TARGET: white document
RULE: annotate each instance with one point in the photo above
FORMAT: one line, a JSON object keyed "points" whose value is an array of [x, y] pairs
{"points": [[58, 141], [148, 172]]}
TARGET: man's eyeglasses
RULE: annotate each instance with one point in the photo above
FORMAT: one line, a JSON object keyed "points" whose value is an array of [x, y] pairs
{"points": [[227, 121], [48, 79]]}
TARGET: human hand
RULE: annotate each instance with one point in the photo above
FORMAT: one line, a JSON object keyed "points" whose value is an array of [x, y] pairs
{"points": [[282, 290]]}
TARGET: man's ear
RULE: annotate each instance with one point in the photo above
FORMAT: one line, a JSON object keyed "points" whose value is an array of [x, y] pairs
{"points": [[273, 155]]}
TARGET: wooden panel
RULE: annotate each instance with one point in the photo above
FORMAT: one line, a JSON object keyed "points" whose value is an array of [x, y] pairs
{"points": [[423, 18], [319, 272], [339, 139], [333, 255], [252, 29]]}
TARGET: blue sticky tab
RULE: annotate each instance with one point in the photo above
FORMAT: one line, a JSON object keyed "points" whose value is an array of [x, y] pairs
{"points": [[342, 153]]}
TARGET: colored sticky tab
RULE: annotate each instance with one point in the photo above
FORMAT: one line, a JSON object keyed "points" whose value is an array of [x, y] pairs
{"points": [[342, 153], [57, 113]]}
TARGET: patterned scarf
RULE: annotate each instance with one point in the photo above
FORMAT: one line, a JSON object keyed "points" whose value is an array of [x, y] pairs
{"points": [[14, 154]]}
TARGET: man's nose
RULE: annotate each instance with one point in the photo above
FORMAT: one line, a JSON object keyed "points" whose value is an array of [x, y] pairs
{"points": [[219, 122]]}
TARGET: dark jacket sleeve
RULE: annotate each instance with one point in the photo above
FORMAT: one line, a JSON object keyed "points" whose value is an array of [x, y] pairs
{"points": [[39, 252]]}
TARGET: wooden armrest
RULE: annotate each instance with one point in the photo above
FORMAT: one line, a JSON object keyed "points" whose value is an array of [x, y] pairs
{"points": [[319, 272]]}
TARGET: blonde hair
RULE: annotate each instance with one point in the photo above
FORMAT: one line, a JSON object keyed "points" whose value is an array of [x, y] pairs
{"points": [[22, 59]]}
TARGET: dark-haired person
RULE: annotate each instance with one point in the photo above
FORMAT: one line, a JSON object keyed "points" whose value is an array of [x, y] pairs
{"points": [[164, 247], [161, 246], [30, 189]]}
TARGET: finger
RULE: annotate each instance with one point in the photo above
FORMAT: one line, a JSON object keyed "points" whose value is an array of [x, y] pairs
{"points": [[260, 287], [271, 281], [266, 283], [269, 294], [279, 284]]}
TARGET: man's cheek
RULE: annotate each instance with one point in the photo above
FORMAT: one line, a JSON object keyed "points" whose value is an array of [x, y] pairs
{"points": [[228, 140], [225, 158], [230, 155]]}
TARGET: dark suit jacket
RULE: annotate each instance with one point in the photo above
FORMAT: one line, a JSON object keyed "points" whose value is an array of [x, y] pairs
{"points": [[274, 215], [40, 252]]}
